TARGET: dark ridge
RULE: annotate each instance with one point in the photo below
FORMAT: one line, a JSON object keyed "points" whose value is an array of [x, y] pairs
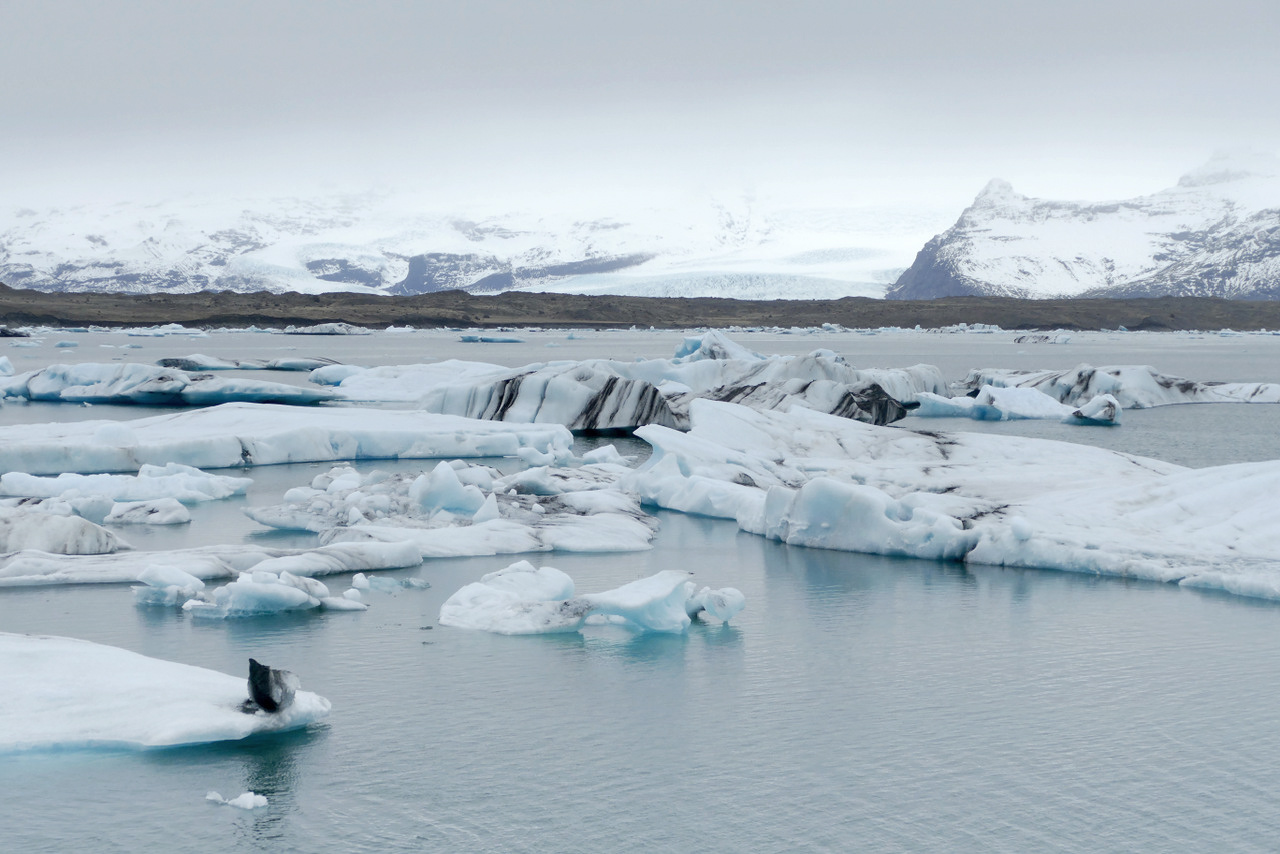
{"points": [[454, 308]]}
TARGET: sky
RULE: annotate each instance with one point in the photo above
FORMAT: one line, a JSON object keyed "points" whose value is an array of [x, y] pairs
{"points": [[569, 103]]}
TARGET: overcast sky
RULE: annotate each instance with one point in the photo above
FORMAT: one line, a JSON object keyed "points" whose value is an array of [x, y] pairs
{"points": [[912, 101]]}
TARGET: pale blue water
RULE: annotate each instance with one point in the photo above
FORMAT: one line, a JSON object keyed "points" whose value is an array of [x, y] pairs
{"points": [[858, 703]]}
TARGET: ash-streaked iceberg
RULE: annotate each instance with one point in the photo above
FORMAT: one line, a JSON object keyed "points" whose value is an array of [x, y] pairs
{"points": [[603, 394], [239, 434], [810, 479], [1132, 386], [457, 509], [523, 600], [992, 403], [110, 382], [61, 693], [201, 362]]}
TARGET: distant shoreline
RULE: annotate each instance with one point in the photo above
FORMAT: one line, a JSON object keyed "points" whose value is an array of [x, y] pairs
{"points": [[518, 308]]}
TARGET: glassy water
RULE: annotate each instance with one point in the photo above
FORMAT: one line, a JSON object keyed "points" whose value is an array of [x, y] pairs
{"points": [[858, 703]]}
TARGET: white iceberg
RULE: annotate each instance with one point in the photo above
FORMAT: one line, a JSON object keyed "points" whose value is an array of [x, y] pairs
{"points": [[244, 801], [813, 480], [237, 434], [110, 382], [262, 593], [38, 567], [57, 534], [523, 599], [181, 483], [63, 693]]}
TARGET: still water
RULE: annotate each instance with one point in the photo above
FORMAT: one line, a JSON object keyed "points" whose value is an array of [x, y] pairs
{"points": [[858, 703]]}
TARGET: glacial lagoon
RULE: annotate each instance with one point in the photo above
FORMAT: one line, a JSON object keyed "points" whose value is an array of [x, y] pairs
{"points": [[857, 703]]}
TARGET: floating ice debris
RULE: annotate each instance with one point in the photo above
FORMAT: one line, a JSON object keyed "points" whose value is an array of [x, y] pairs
{"points": [[1133, 386], [522, 599], [1008, 404], [6, 367], [63, 693], [173, 480], [813, 480], [245, 801], [94, 382], [238, 434], [458, 510]]}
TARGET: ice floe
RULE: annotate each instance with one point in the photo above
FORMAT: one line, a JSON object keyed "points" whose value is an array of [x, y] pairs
{"points": [[458, 509], [181, 483], [62, 693], [94, 382], [40, 566], [237, 434], [810, 479], [523, 600], [1133, 386]]}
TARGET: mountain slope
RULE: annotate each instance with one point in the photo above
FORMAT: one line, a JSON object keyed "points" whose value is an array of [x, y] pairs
{"points": [[1216, 234]]}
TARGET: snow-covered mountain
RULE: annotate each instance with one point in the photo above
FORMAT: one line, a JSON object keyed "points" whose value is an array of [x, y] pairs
{"points": [[381, 243], [1217, 233]]}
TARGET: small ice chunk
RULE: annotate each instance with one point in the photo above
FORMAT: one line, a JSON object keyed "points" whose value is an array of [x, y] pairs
{"points": [[246, 801]]}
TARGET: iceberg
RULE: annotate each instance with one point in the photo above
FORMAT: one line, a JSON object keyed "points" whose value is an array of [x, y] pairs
{"points": [[460, 510], [523, 599], [261, 593], [201, 362], [64, 693], [1132, 386], [239, 434], [38, 530], [994, 403], [37, 567], [92, 382], [810, 479], [173, 480], [606, 395]]}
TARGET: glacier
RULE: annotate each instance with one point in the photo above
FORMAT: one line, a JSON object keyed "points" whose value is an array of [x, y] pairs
{"points": [[62, 693]]}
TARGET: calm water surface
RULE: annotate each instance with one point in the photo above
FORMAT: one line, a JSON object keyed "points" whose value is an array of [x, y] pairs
{"points": [[858, 703]]}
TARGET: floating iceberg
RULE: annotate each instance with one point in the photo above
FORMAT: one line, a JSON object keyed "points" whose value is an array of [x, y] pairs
{"points": [[181, 483], [92, 382], [457, 510], [1133, 386], [524, 600], [34, 567], [600, 394], [809, 479], [42, 531], [201, 362], [63, 693], [244, 801], [237, 434], [992, 403], [260, 593]]}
